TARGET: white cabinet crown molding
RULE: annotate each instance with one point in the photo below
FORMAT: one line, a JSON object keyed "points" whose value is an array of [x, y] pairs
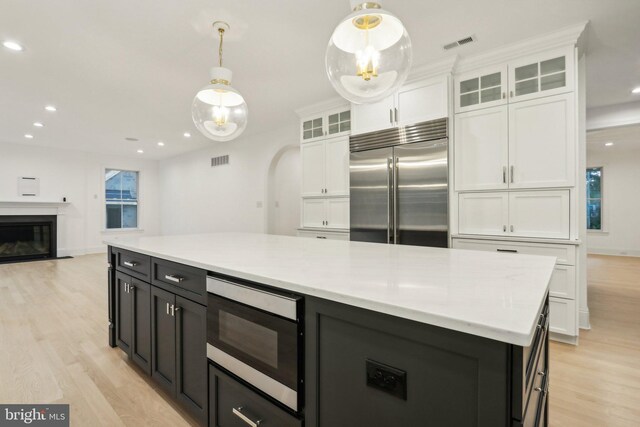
{"points": [[557, 39], [322, 107]]}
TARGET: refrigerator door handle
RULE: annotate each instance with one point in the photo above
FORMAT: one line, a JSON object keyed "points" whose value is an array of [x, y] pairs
{"points": [[396, 165], [390, 199]]}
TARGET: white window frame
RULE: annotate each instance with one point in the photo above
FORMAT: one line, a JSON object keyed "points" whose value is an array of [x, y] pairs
{"points": [[103, 202]]}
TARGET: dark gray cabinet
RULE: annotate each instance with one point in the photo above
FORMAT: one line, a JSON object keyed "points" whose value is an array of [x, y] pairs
{"points": [[132, 310], [163, 339], [179, 352]]}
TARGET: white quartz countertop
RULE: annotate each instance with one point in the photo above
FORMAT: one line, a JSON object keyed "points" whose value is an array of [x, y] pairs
{"points": [[493, 295]]}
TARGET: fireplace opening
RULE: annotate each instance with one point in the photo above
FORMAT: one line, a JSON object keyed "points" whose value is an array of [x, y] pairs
{"points": [[27, 237]]}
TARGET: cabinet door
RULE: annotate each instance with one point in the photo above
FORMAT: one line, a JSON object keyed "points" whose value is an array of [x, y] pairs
{"points": [[313, 214], [313, 168], [483, 213], [337, 166], [163, 339], [312, 128], [481, 151], [542, 142], [562, 316], [563, 282], [539, 214], [141, 324], [124, 312], [339, 122], [337, 213], [481, 89], [541, 75], [191, 353], [422, 101], [372, 117]]}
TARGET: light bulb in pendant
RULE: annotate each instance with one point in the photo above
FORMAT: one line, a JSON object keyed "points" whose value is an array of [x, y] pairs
{"points": [[219, 111], [369, 54]]}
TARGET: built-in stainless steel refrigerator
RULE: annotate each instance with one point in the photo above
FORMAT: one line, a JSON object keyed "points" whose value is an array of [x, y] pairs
{"points": [[399, 185]]}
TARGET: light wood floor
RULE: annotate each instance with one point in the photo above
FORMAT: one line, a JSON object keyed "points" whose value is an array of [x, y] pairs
{"points": [[53, 349]]}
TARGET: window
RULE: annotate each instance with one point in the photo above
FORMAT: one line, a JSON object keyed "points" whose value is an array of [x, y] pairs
{"points": [[121, 196], [594, 198]]}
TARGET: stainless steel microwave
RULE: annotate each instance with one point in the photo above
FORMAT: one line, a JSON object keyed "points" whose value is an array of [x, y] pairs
{"points": [[256, 334]]}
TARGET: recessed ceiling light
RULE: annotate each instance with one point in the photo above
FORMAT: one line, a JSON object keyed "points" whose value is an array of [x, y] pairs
{"points": [[28, 136], [50, 108], [636, 90], [140, 151], [38, 124], [608, 144], [161, 144], [13, 45], [187, 135]]}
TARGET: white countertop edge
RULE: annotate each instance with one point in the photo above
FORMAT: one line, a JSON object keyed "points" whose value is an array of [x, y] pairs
{"points": [[521, 338]]}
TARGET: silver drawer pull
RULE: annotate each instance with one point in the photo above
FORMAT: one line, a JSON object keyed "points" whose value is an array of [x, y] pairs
{"points": [[541, 373], [173, 278], [320, 237], [238, 412], [130, 263], [513, 251]]}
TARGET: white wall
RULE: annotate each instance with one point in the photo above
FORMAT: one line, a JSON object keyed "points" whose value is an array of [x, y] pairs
{"points": [[621, 201], [78, 176], [198, 198], [283, 201], [613, 115]]}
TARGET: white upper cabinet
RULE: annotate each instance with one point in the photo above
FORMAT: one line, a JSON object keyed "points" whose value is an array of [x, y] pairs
{"points": [[481, 89], [421, 101], [332, 123], [313, 168], [325, 167], [336, 164], [538, 214], [373, 117], [481, 152], [542, 143], [542, 214], [540, 75], [325, 213], [483, 213], [414, 103]]}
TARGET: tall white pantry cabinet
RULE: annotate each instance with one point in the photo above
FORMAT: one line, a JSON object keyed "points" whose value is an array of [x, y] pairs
{"points": [[518, 168]]}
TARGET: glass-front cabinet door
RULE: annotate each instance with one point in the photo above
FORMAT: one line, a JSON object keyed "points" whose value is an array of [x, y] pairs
{"points": [[481, 89], [339, 122], [312, 128], [542, 75]]}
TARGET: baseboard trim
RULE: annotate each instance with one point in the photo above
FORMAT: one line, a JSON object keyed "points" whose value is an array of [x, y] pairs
{"points": [[566, 339], [583, 319], [613, 252], [82, 251]]}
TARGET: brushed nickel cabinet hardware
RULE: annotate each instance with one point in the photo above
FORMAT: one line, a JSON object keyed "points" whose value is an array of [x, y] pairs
{"points": [[396, 114], [504, 174], [504, 228], [512, 173], [504, 95], [511, 94], [512, 251], [173, 278], [512, 228], [238, 412], [390, 116], [320, 237], [130, 263], [167, 308]]}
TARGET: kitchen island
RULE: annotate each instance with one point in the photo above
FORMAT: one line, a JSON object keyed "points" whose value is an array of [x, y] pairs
{"points": [[391, 335]]}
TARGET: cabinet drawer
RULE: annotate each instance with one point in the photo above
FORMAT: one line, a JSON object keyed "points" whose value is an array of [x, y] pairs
{"points": [[565, 254], [232, 404], [526, 362], [323, 235], [183, 280], [563, 316], [563, 282], [133, 263]]}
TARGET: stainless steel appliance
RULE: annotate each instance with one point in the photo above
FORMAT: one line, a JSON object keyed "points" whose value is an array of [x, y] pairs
{"points": [[399, 185], [257, 335]]}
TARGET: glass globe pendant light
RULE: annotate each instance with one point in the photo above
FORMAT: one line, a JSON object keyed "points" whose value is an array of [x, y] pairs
{"points": [[369, 54], [218, 110]]}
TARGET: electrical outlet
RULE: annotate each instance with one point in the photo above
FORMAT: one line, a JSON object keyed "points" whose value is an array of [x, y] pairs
{"points": [[387, 379]]}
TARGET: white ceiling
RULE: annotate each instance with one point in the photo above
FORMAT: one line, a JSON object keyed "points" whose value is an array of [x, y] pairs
{"points": [[119, 68], [623, 138]]}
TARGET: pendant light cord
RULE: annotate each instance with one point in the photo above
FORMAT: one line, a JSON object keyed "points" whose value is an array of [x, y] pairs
{"points": [[221, 31]]}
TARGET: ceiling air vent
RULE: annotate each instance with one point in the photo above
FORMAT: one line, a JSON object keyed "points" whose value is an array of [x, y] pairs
{"points": [[460, 42], [220, 160]]}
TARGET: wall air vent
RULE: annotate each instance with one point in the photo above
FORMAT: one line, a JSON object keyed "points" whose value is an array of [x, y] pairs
{"points": [[220, 160], [460, 42]]}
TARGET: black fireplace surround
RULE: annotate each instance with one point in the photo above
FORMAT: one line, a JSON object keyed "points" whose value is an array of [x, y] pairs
{"points": [[27, 237]]}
